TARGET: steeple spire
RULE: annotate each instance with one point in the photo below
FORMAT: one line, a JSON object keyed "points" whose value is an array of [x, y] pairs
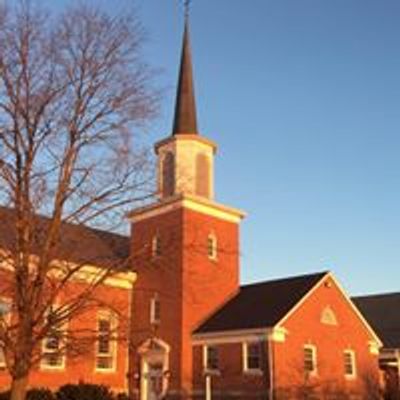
{"points": [[185, 121]]}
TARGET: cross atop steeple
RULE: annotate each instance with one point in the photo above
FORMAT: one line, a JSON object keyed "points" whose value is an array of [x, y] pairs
{"points": [[185, 121], [186, 4]]}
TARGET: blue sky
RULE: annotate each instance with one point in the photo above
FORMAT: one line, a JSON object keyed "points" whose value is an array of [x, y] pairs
{"points": [[303, 98]]}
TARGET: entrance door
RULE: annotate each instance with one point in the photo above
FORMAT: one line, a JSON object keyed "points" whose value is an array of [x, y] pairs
{"points": [[154, 365], [154, 381]]}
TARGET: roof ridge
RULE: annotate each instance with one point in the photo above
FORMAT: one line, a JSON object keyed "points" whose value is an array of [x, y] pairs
{"points": [[302, 276], [372, 295], [73, 224]]}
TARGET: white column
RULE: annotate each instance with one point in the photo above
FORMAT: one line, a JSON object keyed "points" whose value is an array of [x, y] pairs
{"points": [[398, 369], [208, 387]]}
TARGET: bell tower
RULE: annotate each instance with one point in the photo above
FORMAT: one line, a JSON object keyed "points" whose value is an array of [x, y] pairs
{"points": [[185, 159], [184, 247]]}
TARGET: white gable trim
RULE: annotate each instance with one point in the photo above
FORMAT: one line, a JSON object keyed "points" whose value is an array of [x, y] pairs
{"points": [[357, 312], [347, 299]]}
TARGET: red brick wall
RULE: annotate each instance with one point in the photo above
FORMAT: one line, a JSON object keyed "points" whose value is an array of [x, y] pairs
{"points": [[82, 368], [207, 284], [232, 379], [190, 285], [162, 275], [305, 327]]}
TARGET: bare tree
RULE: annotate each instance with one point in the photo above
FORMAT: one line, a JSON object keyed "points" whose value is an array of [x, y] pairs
{"points": [[74, 90]]}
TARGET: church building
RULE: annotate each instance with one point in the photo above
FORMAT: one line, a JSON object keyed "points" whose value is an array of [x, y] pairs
{"points": [[208, 334], [188, 328]]}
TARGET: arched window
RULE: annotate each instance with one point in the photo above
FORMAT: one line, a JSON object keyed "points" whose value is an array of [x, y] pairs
{"points": [[168, 175], [212, 247], [328, 316], [202, 175]]}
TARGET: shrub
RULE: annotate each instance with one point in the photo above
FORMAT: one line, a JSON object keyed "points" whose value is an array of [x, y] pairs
{"points": [[32, 394], [84, 391], [120, 396], [40, 394]]}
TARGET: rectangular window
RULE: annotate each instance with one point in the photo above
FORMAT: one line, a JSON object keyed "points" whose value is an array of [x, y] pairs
{"points": [[211, 359], [156, 246], [252, 356], [155, 310], [310, 359], [53, 347], [106, 347], [349, 364], [5, 316]]}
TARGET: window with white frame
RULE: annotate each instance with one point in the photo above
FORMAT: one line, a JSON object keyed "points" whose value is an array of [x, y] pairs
{"points": [[310, 359], [155, 310], [252, 356], [106, 345], [211, 358], [5, 315], [156, 246], [212, 247], [53, 345], [349, 364]]}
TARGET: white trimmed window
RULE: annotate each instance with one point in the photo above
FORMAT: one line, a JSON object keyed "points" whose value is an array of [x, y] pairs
{"points": [[252, 357], [53, 346], [212, 246], [156, 246], [155, 310], [210, 358], [349, 364], [310, 359], [5, 315], [106, 346]]}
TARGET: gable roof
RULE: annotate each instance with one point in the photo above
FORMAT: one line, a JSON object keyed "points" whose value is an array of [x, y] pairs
{"points": [[260, 305], [383, 312], [78, 243]]}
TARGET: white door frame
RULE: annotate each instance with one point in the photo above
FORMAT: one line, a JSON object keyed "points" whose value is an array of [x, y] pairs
{"points": [[153, 351]]}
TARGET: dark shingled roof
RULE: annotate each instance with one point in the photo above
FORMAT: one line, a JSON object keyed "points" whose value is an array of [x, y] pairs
{"points": [[260, 305], [382, 311], [78, 243]]}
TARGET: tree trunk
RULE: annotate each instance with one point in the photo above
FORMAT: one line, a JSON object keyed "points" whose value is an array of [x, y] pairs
{"points": [[19, 387]]}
